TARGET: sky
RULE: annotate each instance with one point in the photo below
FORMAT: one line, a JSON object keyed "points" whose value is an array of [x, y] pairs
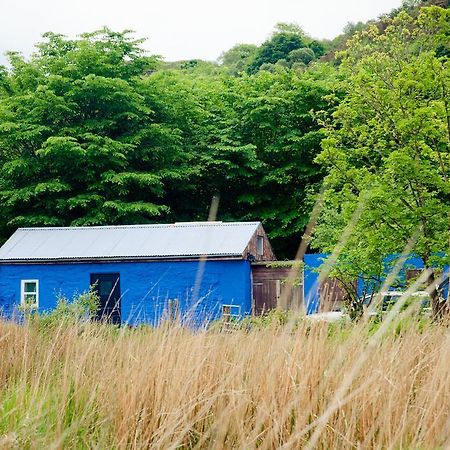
{"points": [[180, 29]]}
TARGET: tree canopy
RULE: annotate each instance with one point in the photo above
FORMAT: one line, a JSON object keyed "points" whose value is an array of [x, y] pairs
{"points": [[93, 131], [79, 140], [287, 45], [387, 149]]}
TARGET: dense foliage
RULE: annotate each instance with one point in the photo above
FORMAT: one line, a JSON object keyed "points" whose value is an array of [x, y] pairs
{"points": [[92, 131], [387, 148], [288, 47], [77, 137]]}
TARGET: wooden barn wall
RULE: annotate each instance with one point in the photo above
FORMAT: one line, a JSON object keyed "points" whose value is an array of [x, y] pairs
{"points": [[271, 288], [332, 295]]}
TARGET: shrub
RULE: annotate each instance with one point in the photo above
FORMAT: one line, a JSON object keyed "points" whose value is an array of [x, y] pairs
{"points": [[82, 308]]}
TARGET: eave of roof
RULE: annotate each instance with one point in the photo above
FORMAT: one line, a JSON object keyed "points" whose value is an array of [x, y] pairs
{"points": [[115, 259]]}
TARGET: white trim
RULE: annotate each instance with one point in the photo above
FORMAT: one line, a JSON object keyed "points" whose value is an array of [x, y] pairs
{"points": [[22, 293], [259, 241], [232, 314]]}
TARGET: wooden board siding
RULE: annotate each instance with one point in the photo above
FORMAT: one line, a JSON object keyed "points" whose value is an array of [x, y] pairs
{"points": [[271, 289], [332, 295], [412, 274], [251, 248]]}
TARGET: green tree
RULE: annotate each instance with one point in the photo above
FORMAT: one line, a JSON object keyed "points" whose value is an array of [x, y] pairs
{"points": [[387, 150], [275, 112], [78, 139], [304, 55], [203, 109], [287, 37], [289, 28], [318, 47], [94, 132], [250, 139], [237, 59]]}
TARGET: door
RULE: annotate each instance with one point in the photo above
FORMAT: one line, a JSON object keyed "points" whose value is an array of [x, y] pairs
{"points": [[264, 296], [107, 286], [276, 287]]}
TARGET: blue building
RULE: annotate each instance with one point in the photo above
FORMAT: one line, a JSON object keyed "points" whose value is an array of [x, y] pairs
{"points": [[327, 295], [142, 273]]}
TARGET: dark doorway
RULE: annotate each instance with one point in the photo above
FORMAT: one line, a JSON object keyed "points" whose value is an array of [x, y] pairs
{"points": [[107, 286]]}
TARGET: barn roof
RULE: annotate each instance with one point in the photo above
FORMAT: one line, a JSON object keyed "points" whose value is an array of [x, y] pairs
{"points": [[179, 240]]}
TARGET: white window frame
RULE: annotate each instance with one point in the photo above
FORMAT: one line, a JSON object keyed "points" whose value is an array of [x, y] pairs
{"points": [[259, 240], [231, 315], [22, 294]]}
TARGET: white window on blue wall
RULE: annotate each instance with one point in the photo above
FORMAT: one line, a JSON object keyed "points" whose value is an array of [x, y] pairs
{"points": [[29, 294], [231, 312]]}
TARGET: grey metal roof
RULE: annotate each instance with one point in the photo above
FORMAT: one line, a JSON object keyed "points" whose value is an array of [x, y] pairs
{"points": [[179, 240]]}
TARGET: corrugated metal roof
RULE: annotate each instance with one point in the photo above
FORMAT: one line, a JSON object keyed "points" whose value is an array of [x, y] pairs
{"points": [[180, 240]]}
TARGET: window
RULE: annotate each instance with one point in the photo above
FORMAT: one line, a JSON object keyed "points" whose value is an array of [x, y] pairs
{"points": [[29, 294], [260, 245], [231, 312]]}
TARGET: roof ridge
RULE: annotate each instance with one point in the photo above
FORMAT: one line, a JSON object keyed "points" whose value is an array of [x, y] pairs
{"points": [[148, 225]]}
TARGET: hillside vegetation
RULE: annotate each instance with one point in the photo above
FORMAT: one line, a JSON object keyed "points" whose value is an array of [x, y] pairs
{"points": [[91, 132], [94, 131]]}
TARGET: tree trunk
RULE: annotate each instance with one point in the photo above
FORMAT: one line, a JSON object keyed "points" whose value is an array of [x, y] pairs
{"points": [[438, 305]]}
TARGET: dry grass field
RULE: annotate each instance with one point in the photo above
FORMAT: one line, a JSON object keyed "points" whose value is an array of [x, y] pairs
{"points": [[315, 386]]}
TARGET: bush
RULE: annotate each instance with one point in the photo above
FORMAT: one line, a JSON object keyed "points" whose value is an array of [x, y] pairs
{"points": [[275, 318], [82, 308]]}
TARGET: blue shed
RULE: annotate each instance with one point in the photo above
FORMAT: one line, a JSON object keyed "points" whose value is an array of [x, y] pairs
{"points": [[198, 271], [328, 295]]}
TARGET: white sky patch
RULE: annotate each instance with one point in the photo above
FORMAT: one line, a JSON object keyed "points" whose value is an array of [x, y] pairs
{"points": [[180, 29]]}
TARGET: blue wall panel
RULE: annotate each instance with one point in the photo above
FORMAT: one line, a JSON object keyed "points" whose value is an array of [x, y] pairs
{"points": [[311, 283], [146, 287], [315, 260]]}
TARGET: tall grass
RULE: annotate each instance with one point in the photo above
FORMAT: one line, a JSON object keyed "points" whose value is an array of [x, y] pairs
{"points": [[93, 386]]}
